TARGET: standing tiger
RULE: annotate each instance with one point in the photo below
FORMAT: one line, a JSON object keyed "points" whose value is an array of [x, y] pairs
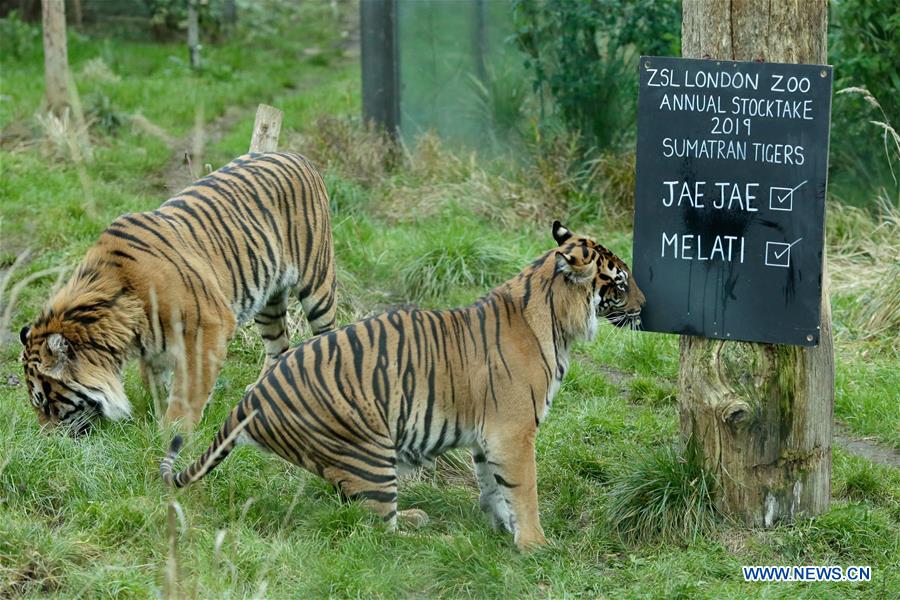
{"points": [[398, 389], [171, 285]]}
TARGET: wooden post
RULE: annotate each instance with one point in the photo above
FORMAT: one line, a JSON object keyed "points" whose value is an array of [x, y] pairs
{"points": [[266, 129], [380, 63], [193, 35], [56, 58], [761, 412]]}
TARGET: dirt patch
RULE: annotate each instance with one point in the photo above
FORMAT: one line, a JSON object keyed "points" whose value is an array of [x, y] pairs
{"points": [[185, 167], [865, 447]]}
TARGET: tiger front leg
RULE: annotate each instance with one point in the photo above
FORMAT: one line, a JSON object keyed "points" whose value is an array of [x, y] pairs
{"points": [[492, 501], [198, 360], [512, 463], [157, 380]]}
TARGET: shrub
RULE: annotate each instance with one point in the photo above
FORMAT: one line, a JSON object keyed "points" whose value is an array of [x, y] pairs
{"points": [[863, 42], [584, 53], [18, 39]]}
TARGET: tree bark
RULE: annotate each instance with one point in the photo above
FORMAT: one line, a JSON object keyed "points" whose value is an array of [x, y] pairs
{"points": [[761, 412], [266, 129], [193, 35], [56, 58]]}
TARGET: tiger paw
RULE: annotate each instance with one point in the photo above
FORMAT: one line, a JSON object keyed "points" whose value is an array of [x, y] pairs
{"points": [[533, 541], [413, 517]]}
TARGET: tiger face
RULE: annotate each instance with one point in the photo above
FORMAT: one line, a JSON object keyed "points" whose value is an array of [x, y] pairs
{"points": [[65, 386], [618, 298]]}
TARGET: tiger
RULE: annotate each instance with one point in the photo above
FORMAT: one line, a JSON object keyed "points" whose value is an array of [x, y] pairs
{"points": [[361, 404], [170, 287]]}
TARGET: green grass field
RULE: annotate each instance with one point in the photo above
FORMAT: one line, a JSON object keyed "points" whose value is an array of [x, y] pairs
{"points": [[89, 517]]}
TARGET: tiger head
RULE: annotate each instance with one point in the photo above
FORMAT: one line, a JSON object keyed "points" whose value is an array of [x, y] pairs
{"points": [[73, 357], [615, 294]]}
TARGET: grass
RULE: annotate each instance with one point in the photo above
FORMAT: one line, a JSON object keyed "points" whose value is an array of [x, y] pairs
{"points": [[627, 514], [666, 494]]}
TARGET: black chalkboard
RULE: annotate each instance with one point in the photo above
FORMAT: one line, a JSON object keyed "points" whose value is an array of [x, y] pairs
{"points": [[732, 162]]}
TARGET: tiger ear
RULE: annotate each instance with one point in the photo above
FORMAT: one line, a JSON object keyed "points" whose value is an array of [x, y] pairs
{"points": [[577, 265], [57, 355], [560, 233], [23, 334]]}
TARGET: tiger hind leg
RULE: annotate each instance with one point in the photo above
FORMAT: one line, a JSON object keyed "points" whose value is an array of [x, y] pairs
{"points": [[271, 322], [376, 489], [320, 307]]}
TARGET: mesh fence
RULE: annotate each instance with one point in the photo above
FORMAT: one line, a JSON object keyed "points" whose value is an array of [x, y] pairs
{"points": [[461, 74]]}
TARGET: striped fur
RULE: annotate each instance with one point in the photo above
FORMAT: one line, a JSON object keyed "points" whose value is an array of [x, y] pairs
{"points": [[171, 285], [396, 390]]}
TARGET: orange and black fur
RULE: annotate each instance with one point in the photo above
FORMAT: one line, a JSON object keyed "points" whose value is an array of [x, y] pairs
{"points": [[171, 285], [398, 389]]}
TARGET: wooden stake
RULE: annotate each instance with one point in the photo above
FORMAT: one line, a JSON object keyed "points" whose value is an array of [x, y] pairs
{"points": [[266, 129]]}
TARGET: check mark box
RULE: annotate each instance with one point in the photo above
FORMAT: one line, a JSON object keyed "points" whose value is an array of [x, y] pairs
{"points": [[778, 254], [782, 198]]}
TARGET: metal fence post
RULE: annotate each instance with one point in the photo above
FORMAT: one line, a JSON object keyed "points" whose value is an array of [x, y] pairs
{"points": [[380, 63]]}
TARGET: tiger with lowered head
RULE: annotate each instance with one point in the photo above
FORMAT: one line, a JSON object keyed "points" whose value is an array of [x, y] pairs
{"points": [[171, 285], [359, 404]]}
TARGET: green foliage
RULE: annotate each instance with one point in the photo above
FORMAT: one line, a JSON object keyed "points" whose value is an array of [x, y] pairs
{"points": [[666, 495], [169, 17], [18, 39], [106, 117], [863, 44], [500, 103], [584, 53], [447, 256]]}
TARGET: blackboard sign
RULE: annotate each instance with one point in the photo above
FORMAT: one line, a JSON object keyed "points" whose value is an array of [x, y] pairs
{"points": [[732, 161]]}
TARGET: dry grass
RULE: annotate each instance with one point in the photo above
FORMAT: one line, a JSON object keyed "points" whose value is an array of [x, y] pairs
{"points": [[863, 255], [63, 137], [409, 184], [359, 152], [436, 180], [97, 70], [864, 250], [614, 174]]}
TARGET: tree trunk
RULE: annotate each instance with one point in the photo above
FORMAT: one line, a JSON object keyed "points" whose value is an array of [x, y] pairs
{"points": [[193, 35], [56, 60], [761, 412]]}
